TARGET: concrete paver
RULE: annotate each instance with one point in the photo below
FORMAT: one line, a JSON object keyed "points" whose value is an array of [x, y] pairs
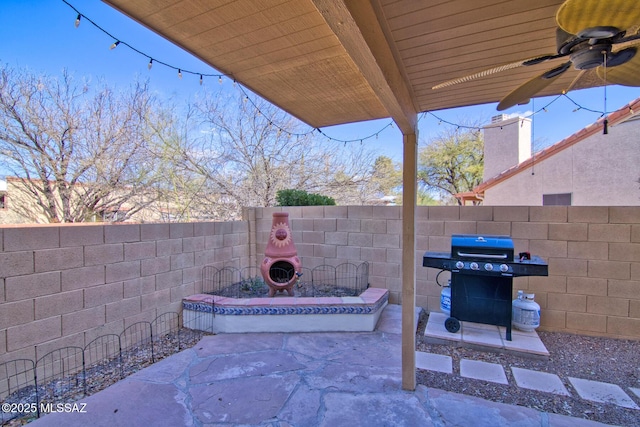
{"points": [[602, 392], [483, 371], [434, 362], [541, 381], [480, 335]]}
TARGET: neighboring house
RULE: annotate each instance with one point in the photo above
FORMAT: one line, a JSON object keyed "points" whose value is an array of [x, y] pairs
{"points": [[588, 168]]}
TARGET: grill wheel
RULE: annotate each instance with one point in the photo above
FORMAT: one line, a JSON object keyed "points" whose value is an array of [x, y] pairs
{"points": [[452, 324]]}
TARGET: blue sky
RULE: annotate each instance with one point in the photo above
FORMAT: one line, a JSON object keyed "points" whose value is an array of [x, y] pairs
{"points": [[40, 35]]}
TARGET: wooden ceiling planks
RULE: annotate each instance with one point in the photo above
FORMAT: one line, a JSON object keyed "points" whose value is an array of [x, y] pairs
{"points": [[306, 55]]}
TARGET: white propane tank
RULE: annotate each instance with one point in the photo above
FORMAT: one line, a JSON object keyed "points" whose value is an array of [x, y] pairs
{"points": [[445, 299], [525, 312]]}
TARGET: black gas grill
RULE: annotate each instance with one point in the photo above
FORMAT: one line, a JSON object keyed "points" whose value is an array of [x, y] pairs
{"points": [[482, 271]]}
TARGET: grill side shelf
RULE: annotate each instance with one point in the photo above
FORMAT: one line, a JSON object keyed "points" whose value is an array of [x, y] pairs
{"points": [[441, 260], [532, 267]]}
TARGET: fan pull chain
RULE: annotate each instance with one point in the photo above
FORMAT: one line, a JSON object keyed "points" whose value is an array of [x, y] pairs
{"points": [[605, 129]]}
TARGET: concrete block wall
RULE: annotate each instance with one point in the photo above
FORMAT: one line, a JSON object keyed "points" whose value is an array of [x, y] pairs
{"points": [[68, 284], [593, 253], [65, 285]]}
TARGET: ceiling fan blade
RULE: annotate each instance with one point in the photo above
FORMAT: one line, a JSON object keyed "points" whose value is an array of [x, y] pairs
{"points": [[574, 16], [527, 90], [627, 74], [494, 70]]}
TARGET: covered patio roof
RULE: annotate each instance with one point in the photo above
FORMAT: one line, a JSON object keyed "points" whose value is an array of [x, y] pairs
{"points": [[330, 62]]}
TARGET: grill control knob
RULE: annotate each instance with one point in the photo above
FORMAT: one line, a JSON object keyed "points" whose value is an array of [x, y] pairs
{"points": [[459, 265], [504, 268], [474, 266], [488, 267]]}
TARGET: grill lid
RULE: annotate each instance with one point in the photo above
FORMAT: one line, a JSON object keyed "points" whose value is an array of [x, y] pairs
{"points": [[485, 255], [473, 246]]}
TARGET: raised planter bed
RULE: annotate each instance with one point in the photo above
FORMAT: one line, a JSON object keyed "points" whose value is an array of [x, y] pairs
{"points": [[215, 314]]}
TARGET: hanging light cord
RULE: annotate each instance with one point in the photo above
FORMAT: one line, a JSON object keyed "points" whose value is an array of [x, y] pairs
{"points": [[605, 129]]}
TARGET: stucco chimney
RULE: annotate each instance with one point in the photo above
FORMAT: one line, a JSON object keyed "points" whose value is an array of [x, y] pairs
{"points": [[507, 143]]}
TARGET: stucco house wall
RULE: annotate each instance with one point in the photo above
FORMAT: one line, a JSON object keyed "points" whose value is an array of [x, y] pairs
{"points": [[596, 169]]}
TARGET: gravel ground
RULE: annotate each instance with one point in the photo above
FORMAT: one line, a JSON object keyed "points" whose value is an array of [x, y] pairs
{"points": [[102, 375], [594, 358]]}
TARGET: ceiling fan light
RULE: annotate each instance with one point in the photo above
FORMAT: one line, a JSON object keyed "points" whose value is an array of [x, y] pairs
{"points": [[585, 59]]}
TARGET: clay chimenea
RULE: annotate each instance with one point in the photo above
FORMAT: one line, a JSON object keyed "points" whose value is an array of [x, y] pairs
{"points": [[281, 265]]}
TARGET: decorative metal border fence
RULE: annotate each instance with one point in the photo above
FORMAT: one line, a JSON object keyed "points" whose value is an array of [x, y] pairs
{"points": [[346, 279], [66, 374]]}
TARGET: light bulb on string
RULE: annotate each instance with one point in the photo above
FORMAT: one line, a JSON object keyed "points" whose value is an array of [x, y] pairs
{"points": [[117, 42]]}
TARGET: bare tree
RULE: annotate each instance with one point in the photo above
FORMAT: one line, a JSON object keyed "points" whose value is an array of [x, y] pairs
{"points": [[241, 152], [78, 153]]}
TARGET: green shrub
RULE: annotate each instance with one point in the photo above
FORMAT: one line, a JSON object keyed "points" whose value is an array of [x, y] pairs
{"points": [[291, 197]]}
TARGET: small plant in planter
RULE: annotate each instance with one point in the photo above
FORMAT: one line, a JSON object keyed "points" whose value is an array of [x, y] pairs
{"points": [[252, 285]]}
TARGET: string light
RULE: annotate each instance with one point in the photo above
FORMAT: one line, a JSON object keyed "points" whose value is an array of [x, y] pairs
{"points": [[543, 109], [246, 98]]}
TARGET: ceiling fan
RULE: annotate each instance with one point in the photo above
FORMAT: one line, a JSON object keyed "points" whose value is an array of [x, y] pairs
{"points": [[599, 37]]}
